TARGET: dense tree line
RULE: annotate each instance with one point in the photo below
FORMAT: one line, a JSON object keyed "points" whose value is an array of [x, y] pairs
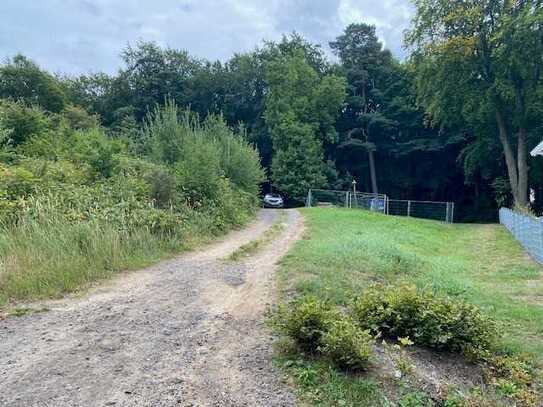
{"points": [[453, 122]]}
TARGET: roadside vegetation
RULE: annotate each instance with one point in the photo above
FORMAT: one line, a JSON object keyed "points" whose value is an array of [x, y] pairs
{"points": [[79, 205], [465, 290]]}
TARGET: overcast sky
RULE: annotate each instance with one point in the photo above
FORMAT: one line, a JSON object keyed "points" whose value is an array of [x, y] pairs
{"points": [[75, 36]]}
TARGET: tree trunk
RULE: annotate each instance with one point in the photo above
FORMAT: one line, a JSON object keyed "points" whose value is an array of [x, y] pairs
{"points": [[373, 174], [522, 155], [509, 156]]}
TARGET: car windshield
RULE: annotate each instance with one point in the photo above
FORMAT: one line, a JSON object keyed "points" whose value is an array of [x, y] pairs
{"points": [[274, 196]]}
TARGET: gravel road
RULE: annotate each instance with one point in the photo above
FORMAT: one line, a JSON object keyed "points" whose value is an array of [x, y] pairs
{"points": [[185, 332]]}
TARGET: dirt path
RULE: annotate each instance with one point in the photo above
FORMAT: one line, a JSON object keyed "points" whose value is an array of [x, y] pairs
{"points": [[186, 332]]}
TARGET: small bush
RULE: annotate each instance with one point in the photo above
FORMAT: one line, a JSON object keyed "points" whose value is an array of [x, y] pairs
{"points": [[94, 148], [162, 187], [317, 327], [23, 122], [305, 320], [428, 320], [79, 119], [347, 345]]}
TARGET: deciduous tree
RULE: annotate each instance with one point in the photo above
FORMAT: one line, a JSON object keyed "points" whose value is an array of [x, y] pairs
{"points": [[479, 62], [301, 109]]}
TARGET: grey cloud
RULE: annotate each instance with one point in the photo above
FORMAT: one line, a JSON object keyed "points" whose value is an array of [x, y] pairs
{"points": [[77, 36]]}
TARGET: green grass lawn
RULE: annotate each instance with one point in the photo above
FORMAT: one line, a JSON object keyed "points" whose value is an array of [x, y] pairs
{"points": [[345, 250]]}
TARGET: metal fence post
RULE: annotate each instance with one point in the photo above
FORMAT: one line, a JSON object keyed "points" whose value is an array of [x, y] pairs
{"points": [[408, 208], [452, 212], [540, 223], [308, 201]]}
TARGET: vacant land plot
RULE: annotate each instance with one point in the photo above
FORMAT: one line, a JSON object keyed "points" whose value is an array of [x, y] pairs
{"points": [[346, 250]]}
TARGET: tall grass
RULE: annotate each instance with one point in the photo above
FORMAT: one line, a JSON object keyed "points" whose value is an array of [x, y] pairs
{"points": [[46, 259]]}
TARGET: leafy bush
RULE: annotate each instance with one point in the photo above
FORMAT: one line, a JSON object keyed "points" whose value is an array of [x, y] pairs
{"points": [[16, 182], [428, 320], [94, 148], [162, 187], [79, 119], [319, 328], [305, 320], [415, 399], [346, 344], [23, 122], [202, 153], [199, 183], [513, 378], [239, 161]]}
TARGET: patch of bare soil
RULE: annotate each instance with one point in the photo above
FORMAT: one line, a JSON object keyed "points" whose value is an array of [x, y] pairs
{"points": [[434, 373], [187, 331]]}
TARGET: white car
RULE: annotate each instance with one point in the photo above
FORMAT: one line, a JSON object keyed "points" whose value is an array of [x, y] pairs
{"points": [[273, 201]]}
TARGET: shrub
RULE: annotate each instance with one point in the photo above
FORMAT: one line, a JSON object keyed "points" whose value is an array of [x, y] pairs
{"points": [[199, 182], [94, 148], [415, 399], [23, 122], [320, 329], [16, 182], [305, 320], [239, 161], [346, 344], [51, 173], [162, 187], [201, 153], [79, 119], [428, 320]]}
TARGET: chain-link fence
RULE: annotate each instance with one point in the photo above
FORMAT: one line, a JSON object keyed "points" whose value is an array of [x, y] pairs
{"points": [[347, 199], [527, 229], [322, 197], [371, 202], [442, 211]]}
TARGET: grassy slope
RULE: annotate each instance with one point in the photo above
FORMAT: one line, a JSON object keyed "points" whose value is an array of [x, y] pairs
{"points": [[345, 250]]}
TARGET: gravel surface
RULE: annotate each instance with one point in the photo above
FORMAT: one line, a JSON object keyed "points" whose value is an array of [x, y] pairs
{"points": [[187, 331]]}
